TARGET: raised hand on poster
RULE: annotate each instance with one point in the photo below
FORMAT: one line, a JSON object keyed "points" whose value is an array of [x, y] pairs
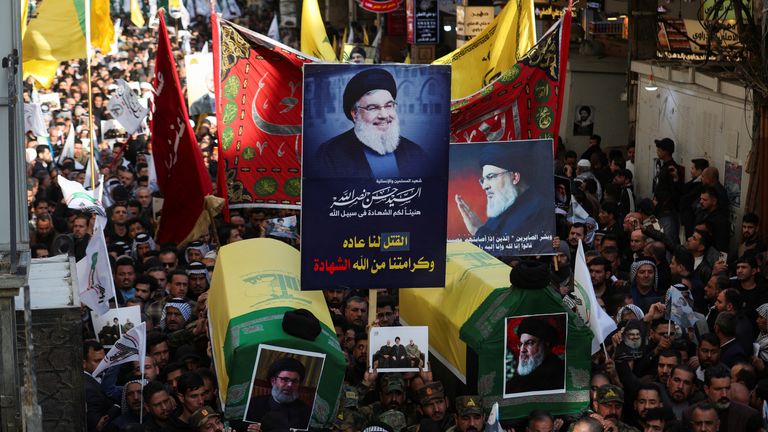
{"points": [[471, 219]]}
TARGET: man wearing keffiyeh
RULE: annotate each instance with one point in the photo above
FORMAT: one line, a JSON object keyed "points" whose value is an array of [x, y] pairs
{"points": [[176, 315], [130, 404]]}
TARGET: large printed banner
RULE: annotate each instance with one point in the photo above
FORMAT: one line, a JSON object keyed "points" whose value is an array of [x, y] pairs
{"points": [[259, 95], [524, 102], [375, 176], [502, 196]]}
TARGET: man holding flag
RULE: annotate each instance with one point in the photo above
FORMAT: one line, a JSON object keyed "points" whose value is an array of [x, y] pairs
{"points": [[587, 307]]}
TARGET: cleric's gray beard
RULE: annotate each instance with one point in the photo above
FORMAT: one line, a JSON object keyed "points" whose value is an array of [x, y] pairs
{"points": [[380, 142], [282, 397], [527, 366], [502, 199]]}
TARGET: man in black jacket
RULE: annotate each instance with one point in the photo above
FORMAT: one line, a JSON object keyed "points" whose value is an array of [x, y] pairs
{"points": [[666, 189]]}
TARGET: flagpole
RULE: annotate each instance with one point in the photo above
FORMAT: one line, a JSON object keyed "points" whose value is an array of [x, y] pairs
{"points": [[141, 410], [90, 88]]}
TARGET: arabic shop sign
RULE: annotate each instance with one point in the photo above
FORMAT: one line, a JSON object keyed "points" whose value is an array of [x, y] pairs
{"points": [[380, 6], [674, 34]]}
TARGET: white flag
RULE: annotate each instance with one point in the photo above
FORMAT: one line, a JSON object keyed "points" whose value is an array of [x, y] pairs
{"points": [[587, 307], [229, 9], [69, 145], [94, 273], [351, 36], [124, 106], [274, 30], [33, 119], [494, 424], [77, 198], [87, 182], [152, 175], [130, 347]]}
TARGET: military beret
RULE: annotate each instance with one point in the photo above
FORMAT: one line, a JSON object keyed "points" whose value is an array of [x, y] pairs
{"points": [[365, 81]]}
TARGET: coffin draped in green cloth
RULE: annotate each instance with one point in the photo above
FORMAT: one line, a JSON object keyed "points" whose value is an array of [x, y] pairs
{"points": [[491, 331]]}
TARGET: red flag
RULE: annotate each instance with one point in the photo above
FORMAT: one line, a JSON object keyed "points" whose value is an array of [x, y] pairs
{"points": [[525, 102], [181, 173], [258, 110]]}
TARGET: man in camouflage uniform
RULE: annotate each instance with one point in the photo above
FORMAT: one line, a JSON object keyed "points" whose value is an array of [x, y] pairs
{"points": [[610, 404], [470, 415], [391, 396], [433, 406], [414, 354]]}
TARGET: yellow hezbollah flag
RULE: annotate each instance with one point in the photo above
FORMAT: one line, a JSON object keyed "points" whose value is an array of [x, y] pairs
{"points": [[243, 287], [496, 49], [136, 17], [314, 40], [58, 34]]}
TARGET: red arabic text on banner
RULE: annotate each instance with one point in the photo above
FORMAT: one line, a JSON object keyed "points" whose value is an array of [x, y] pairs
{"points": [[181, 173], [380, 6], [258, 108], [525, 102]]}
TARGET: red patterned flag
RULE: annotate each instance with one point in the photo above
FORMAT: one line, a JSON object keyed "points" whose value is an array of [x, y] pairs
{"points": [[181, 173], [258, 108], [525, 102]]}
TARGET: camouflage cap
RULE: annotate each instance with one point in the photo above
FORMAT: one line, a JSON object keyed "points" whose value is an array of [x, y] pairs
{"points": [[469, 405], [609, 393], [393, 382], [394, 418], [349, 418], [431, 391], [201, 416]]}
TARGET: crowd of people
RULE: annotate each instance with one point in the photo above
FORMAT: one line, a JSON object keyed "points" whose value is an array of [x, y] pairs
{"points": [[657, 376]]}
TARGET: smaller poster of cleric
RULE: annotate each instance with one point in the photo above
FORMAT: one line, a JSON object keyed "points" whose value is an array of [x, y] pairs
{"points": [[534, 354], [374, 175], [502, 196]]}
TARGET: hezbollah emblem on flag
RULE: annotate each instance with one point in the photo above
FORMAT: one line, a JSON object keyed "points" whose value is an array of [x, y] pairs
{"points": [[583, 307]]}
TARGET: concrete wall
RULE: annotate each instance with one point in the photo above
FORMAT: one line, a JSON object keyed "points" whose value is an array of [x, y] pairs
{"points": [[706, 118], [599, 83]]}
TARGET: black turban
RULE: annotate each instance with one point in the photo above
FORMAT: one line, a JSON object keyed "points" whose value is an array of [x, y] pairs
{"points": [[538, 328], [302, 324], [509, 156], [286, 364], [365, 81], [529, 274]]}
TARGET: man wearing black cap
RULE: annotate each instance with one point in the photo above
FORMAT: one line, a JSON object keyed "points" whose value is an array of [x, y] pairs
{"points": [[512, 202], [538, 369], [373, 147], [357, 55], [285, 375], [690, 193], [667, 186]]}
